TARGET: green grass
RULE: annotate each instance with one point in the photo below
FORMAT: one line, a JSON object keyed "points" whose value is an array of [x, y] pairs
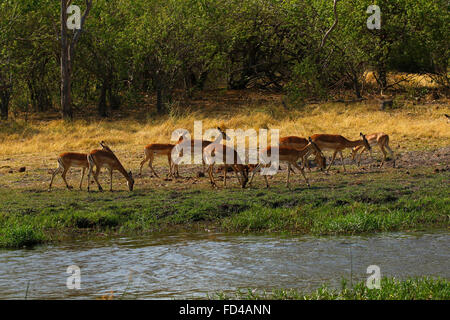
{"points": [[337, 204], [391, 289], [19, 236], [413, 288]]}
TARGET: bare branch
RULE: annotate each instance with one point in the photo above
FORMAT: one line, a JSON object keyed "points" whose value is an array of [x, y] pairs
{"points": [[76, 37], [324, 39]]}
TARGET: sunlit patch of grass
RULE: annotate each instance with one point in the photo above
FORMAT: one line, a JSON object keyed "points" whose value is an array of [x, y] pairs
{"points": [[37, 143]]}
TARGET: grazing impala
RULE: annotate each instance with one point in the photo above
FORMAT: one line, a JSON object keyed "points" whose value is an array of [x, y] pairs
{"points": [[106, 158], [291, 156], [337, 143], [298, 143], [65, 162], [229, 156], [382, 140]]}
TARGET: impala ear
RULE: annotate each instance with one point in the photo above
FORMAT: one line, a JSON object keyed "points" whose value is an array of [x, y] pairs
{"points": [[309, 139]]}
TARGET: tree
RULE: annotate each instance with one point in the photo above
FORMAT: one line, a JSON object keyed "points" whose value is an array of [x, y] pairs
{"points": [[67, 54]]}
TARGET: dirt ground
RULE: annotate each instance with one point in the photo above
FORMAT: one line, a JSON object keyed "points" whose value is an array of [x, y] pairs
{"points": [[37, 178]]}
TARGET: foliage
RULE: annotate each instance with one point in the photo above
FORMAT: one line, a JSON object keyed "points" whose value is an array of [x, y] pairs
{"points": [[171, 46]]}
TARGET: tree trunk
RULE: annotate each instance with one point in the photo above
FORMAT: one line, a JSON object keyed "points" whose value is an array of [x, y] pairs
{"points": [[114, 100], [4, 103], [66, 98], [159, 100], [102, 102]]}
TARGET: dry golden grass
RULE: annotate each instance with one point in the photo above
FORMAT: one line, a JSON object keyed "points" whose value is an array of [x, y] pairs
{"points": [[37, 143]]}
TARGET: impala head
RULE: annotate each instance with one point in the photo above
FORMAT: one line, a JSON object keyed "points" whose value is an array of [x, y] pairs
{"points": [[366, 143], [130, 181], [224, 135], [320, 158]]}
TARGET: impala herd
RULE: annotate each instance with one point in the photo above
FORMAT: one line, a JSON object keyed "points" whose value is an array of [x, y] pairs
{"points": [[291, 150]]}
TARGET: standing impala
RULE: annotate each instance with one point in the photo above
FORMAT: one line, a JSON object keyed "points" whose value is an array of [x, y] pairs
{"points": [[65, 162], [106, 158], [229, 156], [291, 156], [382, 140], [157, 149], [337, 143]]}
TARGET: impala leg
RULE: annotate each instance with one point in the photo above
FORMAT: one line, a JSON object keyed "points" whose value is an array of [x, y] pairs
{"points": [[55, 172], [238, 176], [142, 164], [332, 160], [360, 155], [303, 174], [211, 177], [89, 177], [169, 159], [225, 169], [257, 168], [289, 171], [391, 153], [150, 164], [82, 176], [342, 159], [63, 175], [306, 163], [267, 181], [110, 179], [384, 155], [96, 173]]}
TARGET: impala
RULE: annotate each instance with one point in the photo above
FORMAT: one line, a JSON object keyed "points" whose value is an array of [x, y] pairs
{"points": [[382, 140], [337, 143], [106, 158], [65, 162], [229, 156], [291, 156], [157, 149], [183, 143], [72, 159], [298, 143]]}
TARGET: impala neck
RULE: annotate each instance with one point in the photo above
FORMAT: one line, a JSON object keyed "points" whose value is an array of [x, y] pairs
{"points": [[356, 143], [124, 173], [122, 170]]}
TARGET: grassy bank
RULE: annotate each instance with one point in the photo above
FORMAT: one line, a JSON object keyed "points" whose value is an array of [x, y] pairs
{"points": [[339, 203], [391, 289]]}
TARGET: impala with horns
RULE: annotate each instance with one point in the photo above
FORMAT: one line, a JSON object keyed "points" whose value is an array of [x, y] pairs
{"points": [[106, 158], [291, 156], [375, 139], [337, 143]]}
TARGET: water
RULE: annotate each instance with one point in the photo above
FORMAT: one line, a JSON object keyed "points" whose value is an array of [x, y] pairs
{"points": [[174, 266]]}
